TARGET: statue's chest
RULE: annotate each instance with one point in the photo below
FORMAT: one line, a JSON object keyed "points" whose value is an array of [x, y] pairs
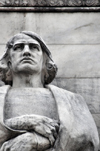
{"points": [[30, 101]]}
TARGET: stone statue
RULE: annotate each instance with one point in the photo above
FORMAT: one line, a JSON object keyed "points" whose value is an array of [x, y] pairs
{"points": [[35, 116]]}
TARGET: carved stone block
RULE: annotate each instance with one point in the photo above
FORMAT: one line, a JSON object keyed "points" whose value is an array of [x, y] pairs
{"points": [[49, 3]]}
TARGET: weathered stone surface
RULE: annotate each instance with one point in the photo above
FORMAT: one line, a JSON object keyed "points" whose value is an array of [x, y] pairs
{"points": [[68, 28], [10, 26], [97, 121], [2, 2], [75, 43], [50, 3], [2, 50], [73, 28], [88, 88], [43, 112], [47, 9], [77, 60]]}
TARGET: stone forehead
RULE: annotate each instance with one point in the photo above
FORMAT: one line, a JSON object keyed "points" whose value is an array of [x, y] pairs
{"points": [[23, 38], [26, 41]]}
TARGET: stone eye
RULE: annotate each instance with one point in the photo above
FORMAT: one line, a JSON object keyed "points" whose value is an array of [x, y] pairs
{"points": [[18, 47], [33, 46]]}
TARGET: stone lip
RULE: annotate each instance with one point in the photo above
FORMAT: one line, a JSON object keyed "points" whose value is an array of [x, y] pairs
{"points": [[31, 3]]}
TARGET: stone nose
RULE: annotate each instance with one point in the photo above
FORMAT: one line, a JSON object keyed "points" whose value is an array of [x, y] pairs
{"points": [[26, 51]]}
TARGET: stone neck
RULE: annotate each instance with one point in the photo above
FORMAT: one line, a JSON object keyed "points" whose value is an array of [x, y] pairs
{"points": [[27, 80]]}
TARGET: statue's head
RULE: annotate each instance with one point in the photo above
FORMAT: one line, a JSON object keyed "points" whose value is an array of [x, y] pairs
{"points": [[26, 52]]}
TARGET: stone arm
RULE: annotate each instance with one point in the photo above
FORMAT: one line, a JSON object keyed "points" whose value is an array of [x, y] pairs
{"points": [[40, 133], [26, 142], [40, 124]]}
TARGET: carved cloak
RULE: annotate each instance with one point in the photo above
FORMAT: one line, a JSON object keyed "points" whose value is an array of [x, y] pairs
{"points": [[77, 130]]}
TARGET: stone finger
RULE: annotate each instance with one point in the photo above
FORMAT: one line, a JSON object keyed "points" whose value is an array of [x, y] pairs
{"points": [[43, 130], [52, 128], [51, 139]]}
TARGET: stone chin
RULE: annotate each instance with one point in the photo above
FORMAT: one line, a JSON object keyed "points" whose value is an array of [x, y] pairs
{"points": [[27, 68]]}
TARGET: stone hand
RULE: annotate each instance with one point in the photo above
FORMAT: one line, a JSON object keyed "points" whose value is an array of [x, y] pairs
{"points": [[40, 124], [26, 142]]}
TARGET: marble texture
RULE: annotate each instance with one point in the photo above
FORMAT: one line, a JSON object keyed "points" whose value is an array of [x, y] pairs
{"points": [[81, 134], [75, 42], [35, 115], [97, 121], [77, 61], [70, 28], [66, 28], [50, 3], [89, 88]]}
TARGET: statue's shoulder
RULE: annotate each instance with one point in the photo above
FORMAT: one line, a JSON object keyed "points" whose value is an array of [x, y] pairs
{"points": [[81, 118], [75, 101], [67, 95], [3, 92], [4, 89]]}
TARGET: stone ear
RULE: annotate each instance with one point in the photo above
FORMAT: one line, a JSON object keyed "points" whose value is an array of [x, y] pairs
{"points": [[51, 71], [4, 68]]}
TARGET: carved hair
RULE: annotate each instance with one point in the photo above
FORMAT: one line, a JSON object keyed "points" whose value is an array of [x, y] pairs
{"points": [[51, 68]]}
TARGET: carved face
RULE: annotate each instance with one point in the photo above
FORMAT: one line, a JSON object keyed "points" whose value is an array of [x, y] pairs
{"points": [[26, 55]]}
